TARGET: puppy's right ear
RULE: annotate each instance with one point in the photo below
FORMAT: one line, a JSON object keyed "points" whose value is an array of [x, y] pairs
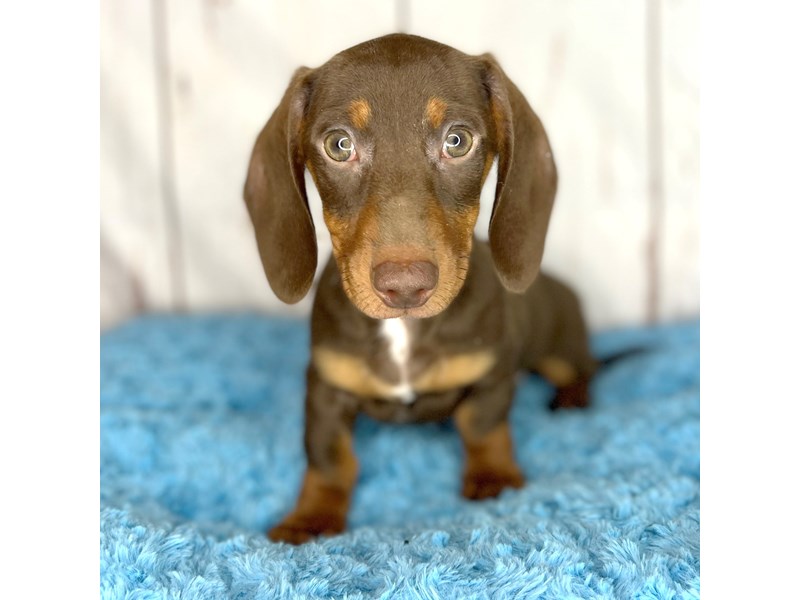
{"points": [[275, 194]]}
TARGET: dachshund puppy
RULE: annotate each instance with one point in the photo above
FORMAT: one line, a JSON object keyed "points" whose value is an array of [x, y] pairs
{"points": [[413, 319]]}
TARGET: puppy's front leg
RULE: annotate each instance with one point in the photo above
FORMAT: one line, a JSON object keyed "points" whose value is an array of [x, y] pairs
{"points": [[482, 420], [332, 466]]}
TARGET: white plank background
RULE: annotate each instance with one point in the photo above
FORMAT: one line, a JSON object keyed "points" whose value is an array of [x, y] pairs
{"points": [[174, 229], [679, 282], [134, 236]]}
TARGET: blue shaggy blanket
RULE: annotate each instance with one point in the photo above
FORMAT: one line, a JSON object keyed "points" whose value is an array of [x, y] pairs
{"points": [[201, 451]]}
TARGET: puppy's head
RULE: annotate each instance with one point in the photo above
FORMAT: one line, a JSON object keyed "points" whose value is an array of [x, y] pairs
{"points": [[399, 134]]}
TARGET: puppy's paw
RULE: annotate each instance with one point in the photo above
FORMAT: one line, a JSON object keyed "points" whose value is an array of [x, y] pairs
{"points": [[299, 528], [575, 395], [482, 484]]}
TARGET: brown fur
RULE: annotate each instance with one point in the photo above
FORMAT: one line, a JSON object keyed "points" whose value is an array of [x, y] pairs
{"points": [[324, 499], [403, 201], [490, 465]]}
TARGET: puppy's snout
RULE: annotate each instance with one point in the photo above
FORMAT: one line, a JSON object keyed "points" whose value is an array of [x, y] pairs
{"points": [[405, 284]]}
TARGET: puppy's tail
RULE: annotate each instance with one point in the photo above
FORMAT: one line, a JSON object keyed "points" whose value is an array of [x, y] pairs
{"points": [[576, 394], [609, 360]]}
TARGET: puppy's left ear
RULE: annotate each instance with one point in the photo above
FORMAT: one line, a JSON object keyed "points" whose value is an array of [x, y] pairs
{"points": [[526, 181]]}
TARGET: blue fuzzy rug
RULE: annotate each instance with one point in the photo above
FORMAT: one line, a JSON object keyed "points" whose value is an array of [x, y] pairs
{"points": [[201, 451]]}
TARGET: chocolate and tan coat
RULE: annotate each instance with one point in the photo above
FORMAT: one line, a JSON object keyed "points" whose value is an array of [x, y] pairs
{"points": [[413, 318]]}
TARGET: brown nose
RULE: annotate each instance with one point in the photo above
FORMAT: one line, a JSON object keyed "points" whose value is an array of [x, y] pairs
{"points": [[405, 284]]}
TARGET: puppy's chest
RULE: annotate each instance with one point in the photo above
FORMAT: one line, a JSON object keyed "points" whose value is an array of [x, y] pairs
{"points": [[398, 365]]}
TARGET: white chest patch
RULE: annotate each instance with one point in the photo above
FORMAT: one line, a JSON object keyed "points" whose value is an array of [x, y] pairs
{"points": [[397, 335]]}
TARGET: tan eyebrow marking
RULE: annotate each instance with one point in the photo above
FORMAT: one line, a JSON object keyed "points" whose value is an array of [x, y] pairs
{"points": [[360, 113], [434, 111]]}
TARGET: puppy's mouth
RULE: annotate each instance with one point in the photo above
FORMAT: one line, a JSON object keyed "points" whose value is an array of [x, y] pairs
{"points": [[414, 289]]}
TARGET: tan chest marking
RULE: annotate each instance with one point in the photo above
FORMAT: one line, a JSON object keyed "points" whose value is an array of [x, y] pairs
{"points": [[349, 373], [455, 371], [352, 374]]}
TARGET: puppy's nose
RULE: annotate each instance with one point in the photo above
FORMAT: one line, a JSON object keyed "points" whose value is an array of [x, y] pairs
{"points": [[405, 284]]}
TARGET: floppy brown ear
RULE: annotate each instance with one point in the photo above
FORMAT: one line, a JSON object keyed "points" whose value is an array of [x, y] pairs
{"points": [[526, 182], [275, 194]]}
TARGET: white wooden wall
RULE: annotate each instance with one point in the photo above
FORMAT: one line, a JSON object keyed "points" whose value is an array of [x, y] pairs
{"points": [[186, 85]]}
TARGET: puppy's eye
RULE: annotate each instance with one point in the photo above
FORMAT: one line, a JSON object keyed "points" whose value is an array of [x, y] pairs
{"points": [[457, 143], [340, 147]]}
